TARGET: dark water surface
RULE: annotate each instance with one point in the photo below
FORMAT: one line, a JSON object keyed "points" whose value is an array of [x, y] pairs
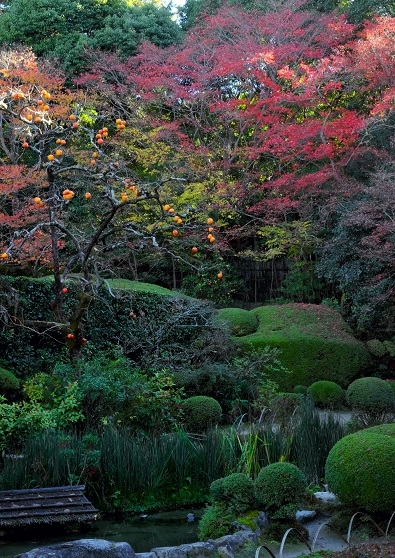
{"points": [[142, 533]]}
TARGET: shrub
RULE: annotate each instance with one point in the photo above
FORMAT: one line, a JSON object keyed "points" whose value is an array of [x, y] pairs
{"points": [[376, 347], [240, 322], [201, 413], [315, 343], [216, 522], [360, 471], [278, 486], [326, 394], [371, 400], [236, 491], [8, 381], [300, 389], [390, 348]]}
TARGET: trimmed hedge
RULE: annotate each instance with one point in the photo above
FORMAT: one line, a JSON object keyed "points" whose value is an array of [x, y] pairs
{"points": [[315, 343], [201, 413], [360, 470], [240, 322], [107, 321], [326, 394]]}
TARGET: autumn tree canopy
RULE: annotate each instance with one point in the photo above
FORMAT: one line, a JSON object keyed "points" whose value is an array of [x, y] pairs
{"points": [[274, 122], [289, 112]]}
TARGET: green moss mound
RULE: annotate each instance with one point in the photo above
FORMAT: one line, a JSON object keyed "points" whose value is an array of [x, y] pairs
{"points": [[360, 471], [279, 485], [201, 413], [326, 394], [315, 342], [240, 322], [8, 381], [236, 491]]}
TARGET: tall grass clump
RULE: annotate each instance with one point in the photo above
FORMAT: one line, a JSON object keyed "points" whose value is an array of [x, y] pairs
{"points": [[314, 436], [135, 472], [50, 458]]}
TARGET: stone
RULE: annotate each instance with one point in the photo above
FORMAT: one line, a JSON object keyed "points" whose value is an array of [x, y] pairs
{"points": [[83, 548], [236, 540], [305, 515], [193, 550], [262, 521], [326, 497], [225, 552]]}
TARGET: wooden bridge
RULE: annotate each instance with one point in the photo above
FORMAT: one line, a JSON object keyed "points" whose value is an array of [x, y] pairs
{"points": [[60, 504]]}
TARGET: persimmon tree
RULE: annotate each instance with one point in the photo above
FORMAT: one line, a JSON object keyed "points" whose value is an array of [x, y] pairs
{"points": [[71, 201]]}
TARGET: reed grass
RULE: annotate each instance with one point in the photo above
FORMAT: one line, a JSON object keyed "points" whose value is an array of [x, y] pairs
{"points": [[314, 437], [138, 468]]}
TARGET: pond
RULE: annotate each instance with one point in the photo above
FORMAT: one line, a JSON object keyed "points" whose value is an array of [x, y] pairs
{"points": [[142, 533]]}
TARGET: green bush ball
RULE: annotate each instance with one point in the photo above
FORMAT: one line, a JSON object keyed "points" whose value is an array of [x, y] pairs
{"points": [[360, 471], [370, 395], [327, 394], [376, 347], [240, 322], [201, 413], [236, 491], [278, 485], [8, 381]]}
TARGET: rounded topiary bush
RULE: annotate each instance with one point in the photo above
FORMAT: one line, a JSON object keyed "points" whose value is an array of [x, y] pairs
{"points": [[376, 347], [371, 399], [360, 471], [236, 491], [201, 413], [240, 322], [326, 394], [8, 381], [279, 485]]}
